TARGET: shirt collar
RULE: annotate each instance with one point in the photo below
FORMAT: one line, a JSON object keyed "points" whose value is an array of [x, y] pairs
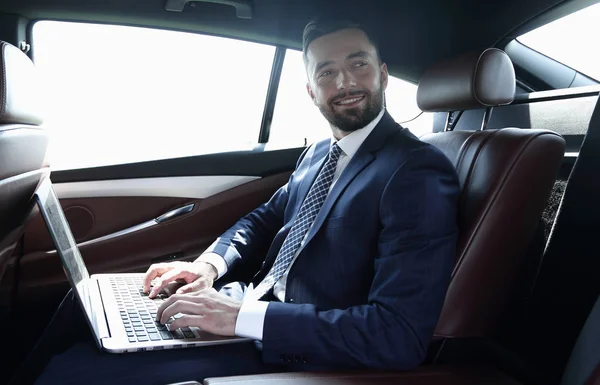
{"points": [[352, 142]]}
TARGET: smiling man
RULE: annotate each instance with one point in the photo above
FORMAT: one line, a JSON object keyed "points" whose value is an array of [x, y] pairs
{"points": [[346, 77], [361, 244]]}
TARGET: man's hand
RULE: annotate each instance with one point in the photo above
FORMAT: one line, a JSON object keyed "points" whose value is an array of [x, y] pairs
{"points": [[197, 276], [209, 310]]}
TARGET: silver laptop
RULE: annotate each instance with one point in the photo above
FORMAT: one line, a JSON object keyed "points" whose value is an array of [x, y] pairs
{"points": [[121, 316]]}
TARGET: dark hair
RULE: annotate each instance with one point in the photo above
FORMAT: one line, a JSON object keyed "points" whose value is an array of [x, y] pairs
{"points": [[323, 25]]}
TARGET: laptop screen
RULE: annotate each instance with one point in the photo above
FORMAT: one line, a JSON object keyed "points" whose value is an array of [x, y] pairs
{"points": [[66, 247]]}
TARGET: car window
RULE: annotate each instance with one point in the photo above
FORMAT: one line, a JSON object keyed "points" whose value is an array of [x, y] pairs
{"points": [[119, 94], [298, 122], [570, 40]]}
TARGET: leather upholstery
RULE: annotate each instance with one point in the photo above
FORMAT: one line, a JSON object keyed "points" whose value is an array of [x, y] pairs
{"points": [[19, 95], [472, 80], [422, 376], [506, 177], [23, 146], [22, 149]]}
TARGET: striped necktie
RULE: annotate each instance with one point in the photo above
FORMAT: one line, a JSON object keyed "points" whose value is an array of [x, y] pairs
{"points": [[303, 222]]}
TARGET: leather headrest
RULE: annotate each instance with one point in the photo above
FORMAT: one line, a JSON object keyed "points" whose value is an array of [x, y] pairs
{"points": [[19, 93], [473, 80]]}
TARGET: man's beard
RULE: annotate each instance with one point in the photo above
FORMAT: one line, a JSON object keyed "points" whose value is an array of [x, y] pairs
{"points": [[352, 119]]}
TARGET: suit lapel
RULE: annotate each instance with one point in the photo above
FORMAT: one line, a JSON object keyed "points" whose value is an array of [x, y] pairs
{"points": [[360, 160]]}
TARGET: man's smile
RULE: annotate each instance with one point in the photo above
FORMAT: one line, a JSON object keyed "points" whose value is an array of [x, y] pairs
{"points": [[351, 101]]}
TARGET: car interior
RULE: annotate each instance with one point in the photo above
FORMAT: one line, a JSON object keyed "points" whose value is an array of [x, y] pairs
{"points": [[161, 123]]}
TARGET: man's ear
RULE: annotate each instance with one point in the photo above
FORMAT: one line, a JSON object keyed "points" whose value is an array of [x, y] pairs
{"points": [[310, 92], [384, 76]]}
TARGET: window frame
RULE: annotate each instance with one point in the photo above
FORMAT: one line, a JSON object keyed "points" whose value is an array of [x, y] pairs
{"points": [[534, 69], [539, 72], [273, 88]]}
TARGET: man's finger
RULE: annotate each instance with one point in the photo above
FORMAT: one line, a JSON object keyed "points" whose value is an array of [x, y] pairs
{"points": [[197, 285], [164, 280], [161, 315], [168, 302], [195, 297], [182, 306], [187, 320], [153, 271]]}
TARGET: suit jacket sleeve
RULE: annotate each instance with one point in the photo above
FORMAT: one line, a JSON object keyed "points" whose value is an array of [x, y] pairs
{"points": [[255, 231], [412, 268]]}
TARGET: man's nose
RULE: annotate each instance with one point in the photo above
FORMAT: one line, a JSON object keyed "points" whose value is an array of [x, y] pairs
{"points": [[345, 80]]}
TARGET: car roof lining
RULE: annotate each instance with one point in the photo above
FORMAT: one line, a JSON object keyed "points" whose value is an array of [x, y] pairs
{"points": [[412, 35], [553, 13]]}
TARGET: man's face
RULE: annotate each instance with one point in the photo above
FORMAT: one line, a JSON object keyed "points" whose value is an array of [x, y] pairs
{"points": [[345, 79]]}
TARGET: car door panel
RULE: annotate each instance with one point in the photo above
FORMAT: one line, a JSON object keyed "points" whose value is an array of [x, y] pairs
{"points": [[106, 216]]}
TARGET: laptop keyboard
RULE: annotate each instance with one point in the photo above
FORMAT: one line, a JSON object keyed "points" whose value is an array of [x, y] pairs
{"points": [[138, 312]]}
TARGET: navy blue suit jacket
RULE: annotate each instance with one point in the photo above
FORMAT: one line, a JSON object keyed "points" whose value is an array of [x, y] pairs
{"points": [[368, 286]]}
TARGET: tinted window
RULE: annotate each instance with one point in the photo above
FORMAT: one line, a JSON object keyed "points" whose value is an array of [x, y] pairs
{"points": [[571, 40], [120, 94]]}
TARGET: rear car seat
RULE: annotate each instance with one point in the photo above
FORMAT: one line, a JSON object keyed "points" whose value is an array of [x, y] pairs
{"points": [[506, 177]]}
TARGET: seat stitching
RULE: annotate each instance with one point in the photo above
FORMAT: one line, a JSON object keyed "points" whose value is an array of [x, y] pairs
{"points": [[468, 179], [497, 191]]}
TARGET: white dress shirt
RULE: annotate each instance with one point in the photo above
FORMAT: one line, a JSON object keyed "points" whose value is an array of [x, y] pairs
{"points": [[251, 318]]}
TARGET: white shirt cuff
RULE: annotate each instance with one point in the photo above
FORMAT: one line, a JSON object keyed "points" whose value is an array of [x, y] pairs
{"points": [[251, 319], [216, 260]]}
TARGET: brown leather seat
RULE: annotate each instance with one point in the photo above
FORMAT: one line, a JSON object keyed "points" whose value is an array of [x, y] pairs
{"points": [[23, 146], [506, 176]]}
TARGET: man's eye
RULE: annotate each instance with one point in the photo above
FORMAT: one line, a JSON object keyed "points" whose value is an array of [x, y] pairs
{"points": [[360, 64], [325, 73]]}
